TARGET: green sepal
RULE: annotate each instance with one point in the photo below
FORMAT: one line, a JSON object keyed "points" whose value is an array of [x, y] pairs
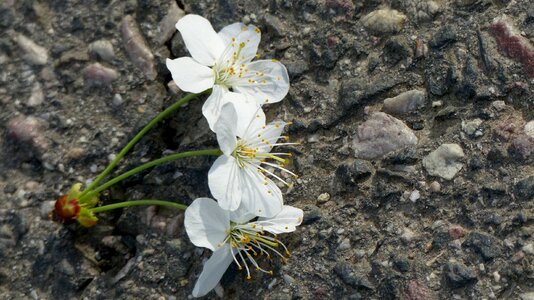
{"points": [[86, 218]]}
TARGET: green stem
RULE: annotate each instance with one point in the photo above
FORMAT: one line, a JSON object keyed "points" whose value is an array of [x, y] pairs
{"points": [[137, 203], [137, 137], [165, 159]]}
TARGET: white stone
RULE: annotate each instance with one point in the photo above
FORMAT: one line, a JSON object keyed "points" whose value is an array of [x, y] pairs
{"points": [[527, 296], [445, 161], [471, 127], [384, 21], [529, 129], [324, 197], [415, 195], [528, 248]]}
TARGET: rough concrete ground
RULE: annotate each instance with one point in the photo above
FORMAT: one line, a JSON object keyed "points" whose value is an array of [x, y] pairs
{"points": [[416, 163]]}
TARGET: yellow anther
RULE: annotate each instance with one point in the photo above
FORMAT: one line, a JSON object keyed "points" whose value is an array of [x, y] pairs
{"points": [[257, 30], [233, 39], [249, 277], [271, 273], [257, 55], [242, 44], [274, 60]]}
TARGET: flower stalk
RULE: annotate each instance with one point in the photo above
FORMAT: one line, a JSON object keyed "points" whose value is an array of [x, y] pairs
{"points": [[166, 159], [137, 203], [138, 137]]}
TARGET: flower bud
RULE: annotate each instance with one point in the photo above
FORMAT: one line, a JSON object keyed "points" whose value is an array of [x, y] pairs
{"points": [[66, 210]]}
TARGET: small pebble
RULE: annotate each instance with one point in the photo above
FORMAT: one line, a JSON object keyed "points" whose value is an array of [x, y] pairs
{"points": [[344, 245], [272, 284], [496, 276], [438, 103], [435, 186], [104, 49], [528, 248], [288, 279], [33, 53], [408, 235], [415, 195], [324, 197], [117, 100]]}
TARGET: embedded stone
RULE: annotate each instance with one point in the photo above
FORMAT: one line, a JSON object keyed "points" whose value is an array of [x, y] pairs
{"points": [[103, 48], [384, 21], [96, 74], [529, 129], [405, 102], [137, 47], [512, 44], [33, 53], [445, 161], [166, 27], [28, 130], [381, 134]]}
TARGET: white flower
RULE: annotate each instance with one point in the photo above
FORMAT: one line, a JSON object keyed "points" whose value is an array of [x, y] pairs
{"points": [[223, 61], [241, 175], [232, 238]]}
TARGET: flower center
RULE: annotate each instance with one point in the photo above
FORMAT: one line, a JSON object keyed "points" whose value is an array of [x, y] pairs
{"points": [[225, 70], [256, 153], [249, 241]]}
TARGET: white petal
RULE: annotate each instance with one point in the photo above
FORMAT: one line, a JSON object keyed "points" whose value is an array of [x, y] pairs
{"points": [[242, 215], [189, 75], [206, 223], [265, 81], [250, 116], [225, 128], [213, 271], [212, 106], [265, 135], [224, 182], [264, 200], [241, 44], [286, 221], [201, 40], [230, 31]]}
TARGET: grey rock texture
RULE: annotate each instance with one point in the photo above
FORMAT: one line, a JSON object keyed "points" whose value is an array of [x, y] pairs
{"points": [[362, 237]]}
